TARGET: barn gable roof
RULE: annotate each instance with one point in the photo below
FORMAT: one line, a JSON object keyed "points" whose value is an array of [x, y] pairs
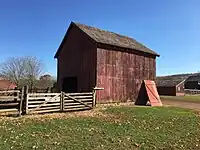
{"points": [[109, 38]]}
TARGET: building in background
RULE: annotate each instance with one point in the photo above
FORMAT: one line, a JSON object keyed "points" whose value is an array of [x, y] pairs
{"points": [[6, 84], [193, 82], [173, 85]]}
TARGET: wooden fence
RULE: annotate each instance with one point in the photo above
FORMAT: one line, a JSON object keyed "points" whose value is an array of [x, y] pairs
{"points": [[192, 91], [78, 101], [10, 101], [24, 102]]}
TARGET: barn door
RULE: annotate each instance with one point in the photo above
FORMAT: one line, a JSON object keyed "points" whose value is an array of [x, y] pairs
{"points": [[70, 85]]}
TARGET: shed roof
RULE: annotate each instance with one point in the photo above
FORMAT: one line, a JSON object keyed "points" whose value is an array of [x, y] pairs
{"points": [[172, 80], [110, 38], [193, 78]]}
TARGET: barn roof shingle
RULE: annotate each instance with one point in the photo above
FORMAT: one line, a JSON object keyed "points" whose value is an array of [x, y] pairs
{"points": [[110, 38]]}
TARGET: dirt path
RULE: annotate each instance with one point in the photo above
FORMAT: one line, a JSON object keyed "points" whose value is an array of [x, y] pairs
{"points": [[183, 104]]}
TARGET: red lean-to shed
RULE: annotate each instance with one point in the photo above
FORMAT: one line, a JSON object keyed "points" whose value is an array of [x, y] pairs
{"points": [[89, 57]]}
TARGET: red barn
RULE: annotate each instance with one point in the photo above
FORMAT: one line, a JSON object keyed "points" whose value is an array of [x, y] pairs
{"points": [[89, 57], [6, 85]]}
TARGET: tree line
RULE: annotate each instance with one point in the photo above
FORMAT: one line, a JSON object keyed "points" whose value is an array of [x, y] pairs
{"points": [[26, 70]]}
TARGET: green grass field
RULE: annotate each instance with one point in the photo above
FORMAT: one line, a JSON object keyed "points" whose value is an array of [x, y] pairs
{"points": [[192, 98], [114, 128]]}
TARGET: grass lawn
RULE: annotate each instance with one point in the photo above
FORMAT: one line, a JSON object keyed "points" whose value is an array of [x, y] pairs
{"points": [[116, 128], [194, 98]]}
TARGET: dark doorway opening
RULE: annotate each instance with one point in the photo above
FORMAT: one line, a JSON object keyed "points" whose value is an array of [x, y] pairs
{"points": [[70, 85]]}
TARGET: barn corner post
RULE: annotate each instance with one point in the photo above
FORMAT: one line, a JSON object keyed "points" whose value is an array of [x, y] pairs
{"points": [[25, 100]]}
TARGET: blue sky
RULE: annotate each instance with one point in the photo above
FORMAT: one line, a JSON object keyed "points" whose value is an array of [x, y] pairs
{"points": [[170, 27]]}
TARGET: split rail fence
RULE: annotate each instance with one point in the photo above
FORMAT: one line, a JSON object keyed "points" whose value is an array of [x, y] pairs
{"points": [[23, 102]]}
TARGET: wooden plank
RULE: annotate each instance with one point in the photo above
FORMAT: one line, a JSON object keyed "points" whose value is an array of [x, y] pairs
{"points": [[8, 100], [61, 101], [21, 102], [82, 100], [52, 99], [10, 91], [8, 110], [72, 104], [81, 97], [46, 105], [76, 109], [68, 103], [73, 94], [9, 104], [77, 100], [42, 94], [9, 97], [26, 101], [46, 111], [46, 108], [94, 97], [36, 102], [76, 106], [42, 98]]}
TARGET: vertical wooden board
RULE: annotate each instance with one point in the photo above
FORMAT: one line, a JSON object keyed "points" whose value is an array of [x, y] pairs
{"points": [[113, 74], [152, 93], [126, 90], [107, 57], [110, 56], [113, 58], [114, 85], [110, 68], [101, 70]]}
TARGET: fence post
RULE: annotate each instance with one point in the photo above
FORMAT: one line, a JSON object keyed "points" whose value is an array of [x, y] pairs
{"points": [[25, 101], [21, 102], [94, 98], [16, 94], [94, 95], [61, 101]]}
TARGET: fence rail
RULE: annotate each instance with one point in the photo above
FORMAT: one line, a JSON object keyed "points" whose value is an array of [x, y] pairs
{"points": [[78, 101], [192, 91]]}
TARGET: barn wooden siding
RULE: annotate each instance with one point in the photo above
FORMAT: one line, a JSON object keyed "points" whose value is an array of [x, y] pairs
{"points": [[121, 73], [78, 58]]}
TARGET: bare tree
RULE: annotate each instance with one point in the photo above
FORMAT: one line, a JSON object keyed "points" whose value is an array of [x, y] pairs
{"points": [[21, 70], [33, 70]]}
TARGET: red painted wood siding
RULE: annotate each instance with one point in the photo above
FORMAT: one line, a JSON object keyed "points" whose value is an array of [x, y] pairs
{"points": [[78, 58], [121, 74]]}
